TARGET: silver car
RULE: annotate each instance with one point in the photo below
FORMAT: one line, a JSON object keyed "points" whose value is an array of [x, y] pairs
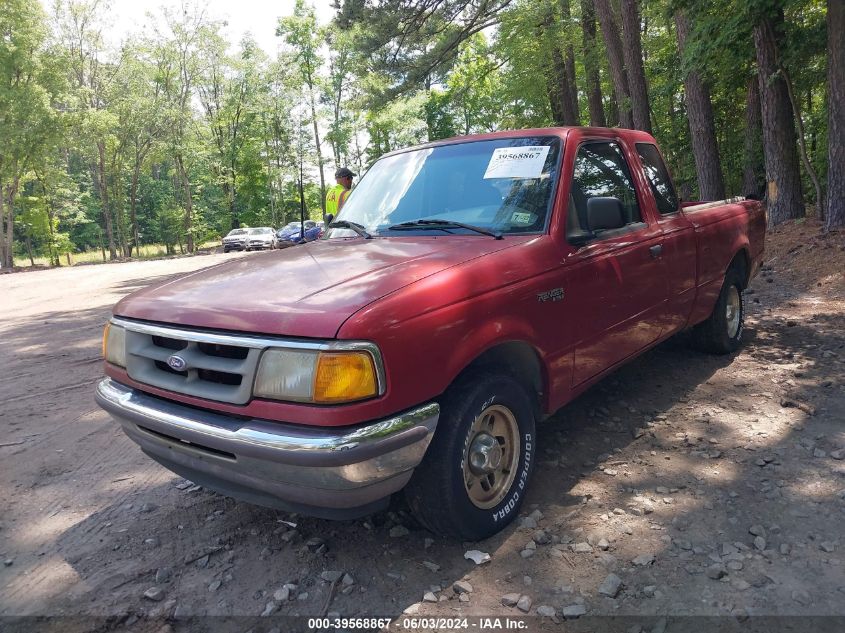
{"points": [[235, 240], [261, 238]]}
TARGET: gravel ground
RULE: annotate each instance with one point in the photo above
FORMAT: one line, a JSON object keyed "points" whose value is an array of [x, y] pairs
{"points": [[683, 484]]}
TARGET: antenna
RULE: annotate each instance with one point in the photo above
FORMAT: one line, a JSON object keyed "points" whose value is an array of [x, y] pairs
{"points": [[301, 204]]}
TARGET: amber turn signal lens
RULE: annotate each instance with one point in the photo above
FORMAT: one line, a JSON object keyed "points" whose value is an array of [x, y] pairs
{"points": [[106, 338], [344, 377]]}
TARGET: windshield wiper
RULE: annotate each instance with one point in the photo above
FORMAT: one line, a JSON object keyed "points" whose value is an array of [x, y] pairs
{"points": [[346, 224], [443, 224]]}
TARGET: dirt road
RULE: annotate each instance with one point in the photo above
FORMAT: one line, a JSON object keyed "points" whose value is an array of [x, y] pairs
{"points": [[680, 485]]}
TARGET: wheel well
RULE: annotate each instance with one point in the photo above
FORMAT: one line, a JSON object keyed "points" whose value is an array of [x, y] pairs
{"points": [[740, 263], [516, 359]]}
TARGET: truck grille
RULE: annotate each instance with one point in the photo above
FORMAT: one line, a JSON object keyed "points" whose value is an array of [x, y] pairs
{"points": [[180, 362]]}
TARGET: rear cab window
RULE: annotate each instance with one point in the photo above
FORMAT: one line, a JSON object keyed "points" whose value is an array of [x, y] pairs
{"points": [[659, 180]]}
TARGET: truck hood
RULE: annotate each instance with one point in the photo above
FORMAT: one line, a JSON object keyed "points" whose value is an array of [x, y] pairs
{"points": [[306, 291]]}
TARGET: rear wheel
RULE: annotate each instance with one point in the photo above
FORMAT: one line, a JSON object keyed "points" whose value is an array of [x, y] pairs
{"points": [[721, 333], [474, 476]]}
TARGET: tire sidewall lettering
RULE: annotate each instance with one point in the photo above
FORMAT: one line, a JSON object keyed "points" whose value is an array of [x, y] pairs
{"points": [[741, 316], [521, 482]]}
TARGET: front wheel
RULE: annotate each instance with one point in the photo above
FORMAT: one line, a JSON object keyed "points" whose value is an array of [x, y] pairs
{"points": [[475, 474], [721, 333]]}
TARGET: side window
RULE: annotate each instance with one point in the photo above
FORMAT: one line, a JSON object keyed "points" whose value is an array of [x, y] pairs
{"points": [[601, 171], [658, 177]]}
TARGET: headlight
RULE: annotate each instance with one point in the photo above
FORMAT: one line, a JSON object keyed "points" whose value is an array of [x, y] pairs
{"points": [[286, 375], [328, 377], [114, 344]]}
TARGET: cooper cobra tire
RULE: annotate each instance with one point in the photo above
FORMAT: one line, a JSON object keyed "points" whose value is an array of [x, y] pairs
{"points": [[721, 333], [475, 474]]}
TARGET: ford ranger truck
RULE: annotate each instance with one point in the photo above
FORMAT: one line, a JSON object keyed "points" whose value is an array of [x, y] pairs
{"points": [[468, 289]]}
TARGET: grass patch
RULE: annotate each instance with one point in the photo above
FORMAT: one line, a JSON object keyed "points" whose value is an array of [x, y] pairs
{"points": [[145, 251]]}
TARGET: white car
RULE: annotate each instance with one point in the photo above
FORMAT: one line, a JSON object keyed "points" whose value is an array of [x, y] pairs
{"points": [[261, 238]]}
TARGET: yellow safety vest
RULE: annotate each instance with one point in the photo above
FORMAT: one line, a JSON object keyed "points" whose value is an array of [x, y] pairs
{"points": [[335, 198]]}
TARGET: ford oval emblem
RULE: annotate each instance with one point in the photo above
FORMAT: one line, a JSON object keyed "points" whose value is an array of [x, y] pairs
{"points": [[177, 363]]}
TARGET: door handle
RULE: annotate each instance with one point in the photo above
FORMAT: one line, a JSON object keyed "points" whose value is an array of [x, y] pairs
{"points": [[656, 250]]}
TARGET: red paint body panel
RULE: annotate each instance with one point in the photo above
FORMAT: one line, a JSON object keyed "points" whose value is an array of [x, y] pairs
{"points": [[434, 304], [307, 291], [722, 233], [432, 330]]}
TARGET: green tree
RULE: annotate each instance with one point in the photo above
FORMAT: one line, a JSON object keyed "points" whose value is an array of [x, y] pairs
{"points": [[302, 37], [228, 89], [474, 86], [79, 26], [178, 54], [30, 89]]}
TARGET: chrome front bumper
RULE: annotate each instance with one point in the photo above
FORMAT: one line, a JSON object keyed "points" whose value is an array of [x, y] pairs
{"points": [[329, 472]]}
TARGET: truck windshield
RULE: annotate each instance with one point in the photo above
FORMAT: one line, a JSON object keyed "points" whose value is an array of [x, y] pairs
{"points": [[503, 186]]}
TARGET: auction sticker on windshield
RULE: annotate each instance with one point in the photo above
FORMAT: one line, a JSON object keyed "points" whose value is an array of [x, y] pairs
{"points": [[517, 162]]}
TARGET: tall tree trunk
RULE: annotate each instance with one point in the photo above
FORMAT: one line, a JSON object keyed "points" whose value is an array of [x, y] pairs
{"points": [[612, 110], [569, 63], [188, 220], [557, 82], [553, 90], [784, 199], [705, 150], [557, 87], [754, 167], [119, 224], [616, 61], [133, 204], [270, 179], [836, 115], [104, 197], [227, 193], [591, 65], [319, 152], [29, 249], [802, 143], [810, 116], [7, 221], [633, 55], [233, 211], [51, 218]]}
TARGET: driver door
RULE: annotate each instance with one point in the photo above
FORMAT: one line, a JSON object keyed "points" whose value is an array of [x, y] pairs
{"points": [[615, 280]]}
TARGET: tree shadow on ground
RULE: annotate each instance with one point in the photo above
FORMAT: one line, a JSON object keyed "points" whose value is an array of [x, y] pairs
{"points": [[671, 425]]}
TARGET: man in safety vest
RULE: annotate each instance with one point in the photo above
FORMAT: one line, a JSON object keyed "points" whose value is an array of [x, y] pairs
{"points": [[337, 195]]}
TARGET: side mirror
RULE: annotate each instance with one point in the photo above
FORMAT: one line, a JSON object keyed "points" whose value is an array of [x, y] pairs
{"points": [[604, 213], [328, 218], [581, 238]]}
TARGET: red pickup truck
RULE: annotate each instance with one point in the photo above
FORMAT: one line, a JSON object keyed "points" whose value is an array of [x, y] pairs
{"points": [[468, 289]]}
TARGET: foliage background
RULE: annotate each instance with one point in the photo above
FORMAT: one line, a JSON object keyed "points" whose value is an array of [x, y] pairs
{"points": [[176, 135]]}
